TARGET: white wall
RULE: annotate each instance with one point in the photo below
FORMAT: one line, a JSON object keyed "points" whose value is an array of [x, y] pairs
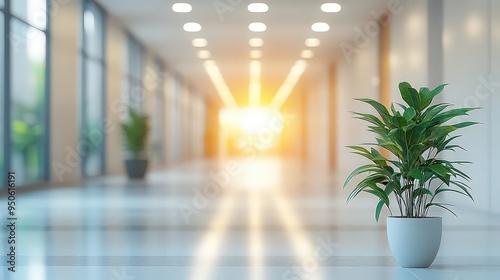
{"points": [[468, 61], [171, 119], [467, 58], [318, 121], [175, 123], [151, 82], [115, 54], [357, 78], [198, 114], [185, 104], [494, 103], [65, 165], [409, 52]]}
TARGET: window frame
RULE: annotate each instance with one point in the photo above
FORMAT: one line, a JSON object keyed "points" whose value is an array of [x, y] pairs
{"points": [[135, 51], [8, 17], [85, 57], [159, 117]]}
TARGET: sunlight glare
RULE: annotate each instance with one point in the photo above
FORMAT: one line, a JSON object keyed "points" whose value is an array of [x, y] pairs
{"points": [[251, 120]]}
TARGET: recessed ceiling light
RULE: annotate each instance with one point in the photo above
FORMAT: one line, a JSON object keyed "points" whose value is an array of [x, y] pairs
{"points": [[199, 43], [204, 54], [320, 27], [300, 63], [331, 8], [255, 54], [181, 8], [257, 27], [256, 42], [312, 42], [192, 27], [258, 8], [307, 54]]}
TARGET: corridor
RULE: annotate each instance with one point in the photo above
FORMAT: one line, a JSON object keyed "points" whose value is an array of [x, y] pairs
{"points": [[212, 139], [271, 219]]}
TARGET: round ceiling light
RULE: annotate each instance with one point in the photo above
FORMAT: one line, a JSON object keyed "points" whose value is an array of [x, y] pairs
{"points": [[199, 42], [257, 27], [331, 7], [256, 42], [307, 54], [258, 8], [320, 27], [192, 27], [255, 54], [182, 7], [204, 54], [312, 42]]}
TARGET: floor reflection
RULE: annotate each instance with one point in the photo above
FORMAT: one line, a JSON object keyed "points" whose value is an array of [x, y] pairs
{"points": [[274, 220]]}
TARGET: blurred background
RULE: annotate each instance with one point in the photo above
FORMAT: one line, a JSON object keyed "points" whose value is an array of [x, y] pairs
{"points": [[256, 96]]}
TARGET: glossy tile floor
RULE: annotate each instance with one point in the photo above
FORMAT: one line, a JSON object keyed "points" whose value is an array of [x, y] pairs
{"points": [[268, 220]]}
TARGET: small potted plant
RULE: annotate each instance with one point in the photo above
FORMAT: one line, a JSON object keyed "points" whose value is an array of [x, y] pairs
{"points": [[415, 174], [136, 132]]}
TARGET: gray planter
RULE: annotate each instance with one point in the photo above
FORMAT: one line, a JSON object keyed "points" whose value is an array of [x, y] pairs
{"points": [[414, 242], [136, 168]]}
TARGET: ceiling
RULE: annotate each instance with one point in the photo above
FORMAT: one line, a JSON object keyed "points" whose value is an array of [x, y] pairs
{"points": [[288, 25]]}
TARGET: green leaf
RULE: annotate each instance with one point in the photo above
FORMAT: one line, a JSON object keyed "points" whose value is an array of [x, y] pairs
{"points": [[442, 131], [415, 173], [379, 107], [404, 89], [406, 187], [379, 193], [368, 183], [409, 127], [410, 95], [425, 97], [421, 192], [409, 114], [415, 134], [440, 190], [463, 187], [438, 90], [136, 132], [441, 205], [360, 170], [380, 204], [359, 148], [441, 172], [464, 124]]}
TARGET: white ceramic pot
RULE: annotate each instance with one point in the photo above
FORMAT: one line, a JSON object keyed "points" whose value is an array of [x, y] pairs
{"points": [[414, 242]]}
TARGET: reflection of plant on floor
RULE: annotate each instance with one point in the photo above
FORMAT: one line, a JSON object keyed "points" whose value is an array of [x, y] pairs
{"points": [[25, 141]]}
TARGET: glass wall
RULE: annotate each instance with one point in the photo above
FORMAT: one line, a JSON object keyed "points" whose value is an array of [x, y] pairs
{"points": [[92, 90], [2, 96], [132, 84], [175, 107], [28, 91], [158, 133], [31, 11]]}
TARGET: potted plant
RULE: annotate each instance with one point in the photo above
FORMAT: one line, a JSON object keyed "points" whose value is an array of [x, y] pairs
{"points": [[413, 174], [136, 133]]}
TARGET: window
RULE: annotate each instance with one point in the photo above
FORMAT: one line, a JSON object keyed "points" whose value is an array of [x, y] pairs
{"points": [[92, 126], [132, 85], [31, 11], [27, 109], [175, 114], [2, 96], [158, 133]]}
